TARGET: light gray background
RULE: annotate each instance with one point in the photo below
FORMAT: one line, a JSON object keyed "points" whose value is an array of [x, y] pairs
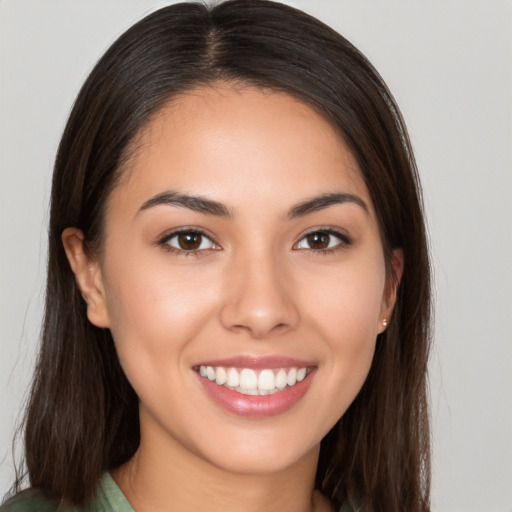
{"points": [[449, 64]]}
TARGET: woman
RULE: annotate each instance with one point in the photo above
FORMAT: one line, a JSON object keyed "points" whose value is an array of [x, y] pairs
{"points": [[237, 308]]}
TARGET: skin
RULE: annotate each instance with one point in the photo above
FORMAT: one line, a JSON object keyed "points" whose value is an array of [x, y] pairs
{"points": [[257, 289]]}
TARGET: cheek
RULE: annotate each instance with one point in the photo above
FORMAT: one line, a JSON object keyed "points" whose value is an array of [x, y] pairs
{"points": [[346, 301], [354, 329], [344, 311], [155, 313]]}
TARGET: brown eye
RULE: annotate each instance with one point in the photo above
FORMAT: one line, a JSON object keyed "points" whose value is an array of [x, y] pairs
{"points": [[318, 240], [189, 241], [323, 240]]}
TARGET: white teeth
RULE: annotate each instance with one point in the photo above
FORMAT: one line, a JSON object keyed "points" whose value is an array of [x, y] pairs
{"points": [[220, 375], [233, 378], [281, 379], [266, 380], [249, 382], [292, 377], [248, 379]]}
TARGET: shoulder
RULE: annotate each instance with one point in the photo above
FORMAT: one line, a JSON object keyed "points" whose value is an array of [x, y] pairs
{"points": [[108, 498], [30, 501], [34, 501]]}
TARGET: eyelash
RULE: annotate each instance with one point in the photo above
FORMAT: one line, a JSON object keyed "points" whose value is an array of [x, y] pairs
{"points": [[345, 241], [164, 242]]}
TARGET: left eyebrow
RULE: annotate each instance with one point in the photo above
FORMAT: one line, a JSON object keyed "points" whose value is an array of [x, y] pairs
{"points": [[324, 201]]}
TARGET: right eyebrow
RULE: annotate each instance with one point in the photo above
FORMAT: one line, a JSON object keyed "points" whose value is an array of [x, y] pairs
{"points": [[195, 203]]}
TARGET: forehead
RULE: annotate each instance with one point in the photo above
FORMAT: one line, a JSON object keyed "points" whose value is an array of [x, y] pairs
{"points": [[238, 145]]}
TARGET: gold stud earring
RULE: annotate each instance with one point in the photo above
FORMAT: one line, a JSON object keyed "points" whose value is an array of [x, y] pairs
{"points": [[385, 322]]}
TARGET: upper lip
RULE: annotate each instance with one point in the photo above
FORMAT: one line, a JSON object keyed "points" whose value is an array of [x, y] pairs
{"points": [[258, 362]]}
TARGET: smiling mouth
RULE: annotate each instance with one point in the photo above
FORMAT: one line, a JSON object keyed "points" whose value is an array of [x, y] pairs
{"points": [[248, 381]]}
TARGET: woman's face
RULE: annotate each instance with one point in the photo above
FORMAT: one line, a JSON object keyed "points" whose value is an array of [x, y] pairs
{"points": [[242, 277]]}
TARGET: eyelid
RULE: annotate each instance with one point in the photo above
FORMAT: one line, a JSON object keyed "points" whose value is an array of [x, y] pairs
{"points": [[169, 235], [345, 239]]}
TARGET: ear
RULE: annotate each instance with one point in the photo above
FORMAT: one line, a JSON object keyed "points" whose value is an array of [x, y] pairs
{"points": [[88, 277], [390, 291]]}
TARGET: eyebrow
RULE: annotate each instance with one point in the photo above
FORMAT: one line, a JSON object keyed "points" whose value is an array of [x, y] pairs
{"points": [[210, 207], [324, 201], [195, 203]]}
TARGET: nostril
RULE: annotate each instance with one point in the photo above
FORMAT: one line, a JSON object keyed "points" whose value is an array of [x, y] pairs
{"points": [[258, 309]]}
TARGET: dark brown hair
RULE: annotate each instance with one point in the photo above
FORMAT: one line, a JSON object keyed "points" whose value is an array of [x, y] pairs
{"points": [[82, 418]]}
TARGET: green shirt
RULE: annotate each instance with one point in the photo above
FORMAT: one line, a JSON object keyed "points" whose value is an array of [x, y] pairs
{"points": [[108, 498]]}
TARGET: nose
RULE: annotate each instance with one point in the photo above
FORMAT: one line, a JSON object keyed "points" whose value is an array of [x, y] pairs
{"points": [[258, 298]]}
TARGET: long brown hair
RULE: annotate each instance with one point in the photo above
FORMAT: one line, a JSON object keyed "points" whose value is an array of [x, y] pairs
{"points": [[82, 418]]}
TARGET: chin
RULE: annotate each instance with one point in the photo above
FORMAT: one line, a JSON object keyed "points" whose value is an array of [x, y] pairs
{"points": [[259, 452]]}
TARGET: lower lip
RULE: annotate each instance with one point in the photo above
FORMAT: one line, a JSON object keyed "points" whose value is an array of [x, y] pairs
{"points": [[258, 406]]}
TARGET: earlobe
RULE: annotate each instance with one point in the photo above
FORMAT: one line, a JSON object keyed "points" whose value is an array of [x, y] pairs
{"points": [[88, 277], [392, 282]]}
